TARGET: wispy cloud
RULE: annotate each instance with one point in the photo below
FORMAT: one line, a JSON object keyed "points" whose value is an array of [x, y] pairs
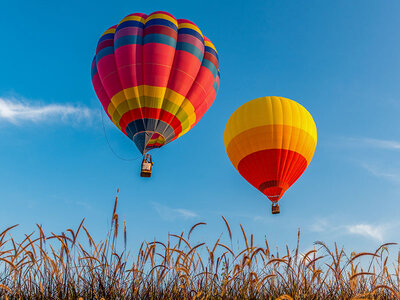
{"points": [[374, 143], [320, 225], [171, 214], [382, 172], [373, 155], [371, 231], [16, 111], [84, 205], [377, 232]]}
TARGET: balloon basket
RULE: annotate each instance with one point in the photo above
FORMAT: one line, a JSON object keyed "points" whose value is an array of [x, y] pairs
{"points": [[145, 174], [275, 208], [146, 169]]}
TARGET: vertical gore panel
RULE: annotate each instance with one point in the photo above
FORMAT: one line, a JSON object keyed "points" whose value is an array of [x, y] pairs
{"points": [[128, 44], [187, 61], [155, 75], [271, 141], [159, 42]]}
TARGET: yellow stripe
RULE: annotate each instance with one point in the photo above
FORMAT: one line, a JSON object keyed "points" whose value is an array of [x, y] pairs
{"points": [[129, 99], [187, 124], [193, 117], [159, 140], [110, 30], [153, 96], [271, 137], [162, 16], [190, 26], [208, 43], [269, 111], [133, 18]]}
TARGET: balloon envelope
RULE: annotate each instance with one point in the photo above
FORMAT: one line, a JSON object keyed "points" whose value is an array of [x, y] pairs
{"points": [[271, 141], [155, 76]]}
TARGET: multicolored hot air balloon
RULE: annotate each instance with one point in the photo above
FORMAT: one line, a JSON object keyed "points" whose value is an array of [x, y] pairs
{"points": [[155, 76], [271, 141]]}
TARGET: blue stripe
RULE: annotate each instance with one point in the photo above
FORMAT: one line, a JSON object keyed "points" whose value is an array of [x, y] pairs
{"points": [[192, 49], [128, 40], [212, 51], [104, 52], [160, 38], [161, 22], [215, 86], [134, 127], [191, 32], [139, 140], [130, 24], [108, 36], [209, 65]]}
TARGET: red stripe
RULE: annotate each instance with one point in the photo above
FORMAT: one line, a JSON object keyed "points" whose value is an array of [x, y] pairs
{"points": [[212, 58], [272, 171], [109, 75], [138, 14], [132, 115], [129, 62], [101, 93], [156, 75], [160, 29], [104, 44], [157, 59], [184, 71], [158, 54], [148, 113], [180, 21]]}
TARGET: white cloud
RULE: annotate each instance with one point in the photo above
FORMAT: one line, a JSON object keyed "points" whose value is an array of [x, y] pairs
{"points": [[84, 205], [374, 156], [376, 232], [16, 111], [366, 230], [375, 143], [171, 214], [320, 225], [391, 175]]}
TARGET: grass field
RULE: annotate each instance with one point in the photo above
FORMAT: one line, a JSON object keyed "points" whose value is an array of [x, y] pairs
{"points": [[72, 265]]}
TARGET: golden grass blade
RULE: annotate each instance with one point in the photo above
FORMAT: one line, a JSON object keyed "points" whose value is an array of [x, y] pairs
{"points": [[227, 248], [115, 205], [5, 288], [285, 297], [382, 286], [194, 226], [72, 266], [181, 238], [362, 254], [228, 227], [244, 236], [360, 274]]}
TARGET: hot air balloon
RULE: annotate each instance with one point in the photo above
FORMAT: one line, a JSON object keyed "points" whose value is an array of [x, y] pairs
{"points": [[155, 76], [271, 141]]}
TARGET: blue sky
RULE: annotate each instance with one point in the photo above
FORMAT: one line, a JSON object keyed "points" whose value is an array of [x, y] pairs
{"points": [[339, 59]]}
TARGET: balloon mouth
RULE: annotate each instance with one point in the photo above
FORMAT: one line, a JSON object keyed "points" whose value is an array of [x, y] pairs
{"points": [[273, 189], [148, 140], [274, 194]]}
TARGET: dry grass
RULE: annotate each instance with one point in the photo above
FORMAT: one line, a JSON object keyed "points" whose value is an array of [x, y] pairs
{"points": [[72, 265]]}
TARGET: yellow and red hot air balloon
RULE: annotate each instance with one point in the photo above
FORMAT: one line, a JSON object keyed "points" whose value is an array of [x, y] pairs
{"points": [[271, 141], [155, 76]]}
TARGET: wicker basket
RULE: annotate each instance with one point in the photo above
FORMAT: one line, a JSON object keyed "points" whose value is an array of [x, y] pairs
{"points": [[146, 169], [275, 208]]}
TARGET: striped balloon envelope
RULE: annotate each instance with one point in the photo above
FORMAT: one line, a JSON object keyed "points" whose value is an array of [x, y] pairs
{"points": [[155, 76], [271, 141]]}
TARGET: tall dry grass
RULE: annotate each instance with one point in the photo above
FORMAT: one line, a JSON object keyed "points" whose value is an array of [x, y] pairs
{"points": [[71, 265]]}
